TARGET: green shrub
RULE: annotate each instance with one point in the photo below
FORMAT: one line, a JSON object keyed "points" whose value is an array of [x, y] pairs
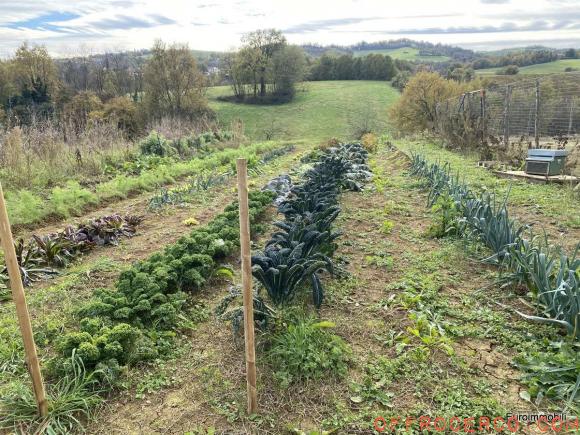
{"points": [[307, 349], [70, 199], [445, 218], [107, 343], [387, 226], [155, 144], [23, 207]]}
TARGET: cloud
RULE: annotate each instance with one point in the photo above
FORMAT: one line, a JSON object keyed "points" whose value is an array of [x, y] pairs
{"points": [[124, 22], [45, 21], [122, 3], [563, 13], [313, 26], [507, 27], [64, 25]]}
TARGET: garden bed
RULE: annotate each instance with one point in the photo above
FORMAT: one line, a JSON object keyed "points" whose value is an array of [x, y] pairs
{"points": [[397, 277]]}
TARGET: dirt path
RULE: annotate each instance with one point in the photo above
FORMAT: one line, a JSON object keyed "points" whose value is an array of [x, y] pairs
{"points": [[418, 313]]}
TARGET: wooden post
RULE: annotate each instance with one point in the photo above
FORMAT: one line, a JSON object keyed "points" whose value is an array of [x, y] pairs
{"points": [[506, 116], [537, 116], [483, 114], [21, 308], [571, 117], [242, 169]]}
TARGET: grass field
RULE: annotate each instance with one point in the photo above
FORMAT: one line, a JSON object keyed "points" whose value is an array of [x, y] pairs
{"points": [[321, 110], [404, 53], [557, 66]]}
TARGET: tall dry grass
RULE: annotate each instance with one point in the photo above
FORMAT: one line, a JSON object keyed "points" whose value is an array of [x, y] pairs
{"points": [[44, 154]]}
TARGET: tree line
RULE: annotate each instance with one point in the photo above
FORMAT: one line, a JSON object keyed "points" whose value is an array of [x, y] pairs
{"points": [[523, 58], [348, 67], [132, 89], [116, 89]]}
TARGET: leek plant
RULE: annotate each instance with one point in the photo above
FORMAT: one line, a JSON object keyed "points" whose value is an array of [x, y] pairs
{"points": [[552, 276]]}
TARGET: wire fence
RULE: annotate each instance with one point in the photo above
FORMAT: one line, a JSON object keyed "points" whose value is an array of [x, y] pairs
{"points": [[535, 111]]}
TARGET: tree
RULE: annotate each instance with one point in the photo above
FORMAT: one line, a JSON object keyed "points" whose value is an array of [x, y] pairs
{"points": [[122, 111], [378, 67], [570, 54], [288, 68], [415, 111], [460, 73], [509, 70], [34, 74], [266, 66], [266, 42], [77, 111], [6, 83], [344, 67], [323, 69], [400, 80], [173, 84]]}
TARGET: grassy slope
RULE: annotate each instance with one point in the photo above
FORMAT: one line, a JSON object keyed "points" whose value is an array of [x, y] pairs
{"points": [[404, 53], [557, 66], [322, 111]]}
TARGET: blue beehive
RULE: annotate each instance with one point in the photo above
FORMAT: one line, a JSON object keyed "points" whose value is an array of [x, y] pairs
{"points": [[545, 162]]}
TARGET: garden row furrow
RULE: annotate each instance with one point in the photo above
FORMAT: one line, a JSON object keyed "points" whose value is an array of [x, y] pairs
{"points": [[27, 209], [41, 254]]}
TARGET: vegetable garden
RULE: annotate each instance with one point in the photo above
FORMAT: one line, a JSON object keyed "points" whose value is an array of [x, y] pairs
{"points": [[388, 284]]}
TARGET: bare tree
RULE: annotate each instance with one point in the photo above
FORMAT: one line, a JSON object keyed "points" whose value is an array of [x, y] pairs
{"points": [[266, 42], [173, 84]]}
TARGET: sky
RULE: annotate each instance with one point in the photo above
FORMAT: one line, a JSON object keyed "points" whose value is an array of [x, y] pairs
{"points": [[80, 27]]}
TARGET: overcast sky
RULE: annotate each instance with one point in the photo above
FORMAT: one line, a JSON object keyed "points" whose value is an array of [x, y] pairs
{"points": [[70, 27]]}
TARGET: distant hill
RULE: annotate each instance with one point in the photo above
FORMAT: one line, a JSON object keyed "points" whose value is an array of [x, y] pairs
{"points": [[557, 66], [514, 50], [405, 53], [405, 49]]}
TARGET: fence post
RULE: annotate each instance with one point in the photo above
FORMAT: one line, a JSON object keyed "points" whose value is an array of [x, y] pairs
{"points": [[482, 102], [571, 116], [506, 116], [537, 115], [21, 308]]}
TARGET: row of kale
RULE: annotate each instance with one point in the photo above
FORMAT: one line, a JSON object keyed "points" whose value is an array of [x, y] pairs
{"points": [[306, 240]]}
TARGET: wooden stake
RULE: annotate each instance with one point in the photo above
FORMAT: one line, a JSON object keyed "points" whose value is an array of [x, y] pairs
{"points": [[506, 116], [242, 169], [21, 308], [537, 116]]}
